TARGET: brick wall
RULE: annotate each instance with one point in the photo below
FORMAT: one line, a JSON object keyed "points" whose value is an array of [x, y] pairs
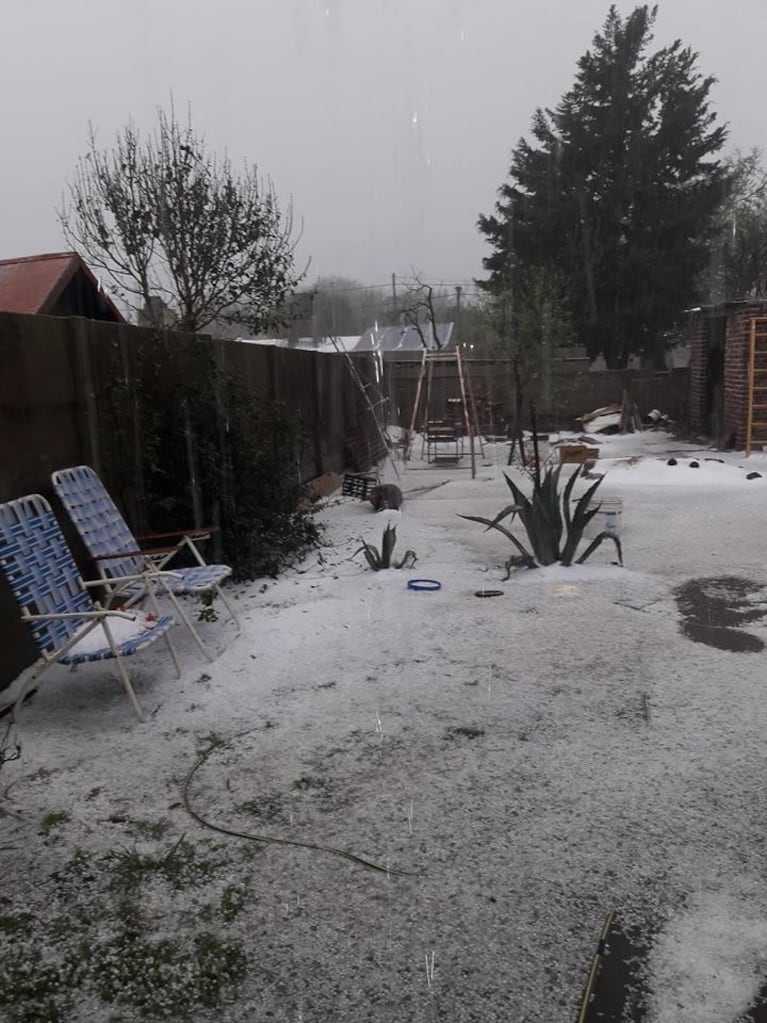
{"points": [[697, 334], [736, 375], [737, 336]]}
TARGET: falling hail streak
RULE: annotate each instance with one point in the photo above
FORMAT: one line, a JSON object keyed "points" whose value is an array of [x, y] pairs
{"points": [[430, 969]]}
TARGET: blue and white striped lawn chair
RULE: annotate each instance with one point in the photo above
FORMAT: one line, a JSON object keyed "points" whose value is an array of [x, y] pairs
{"points": [[55, 602], [128, 572]]}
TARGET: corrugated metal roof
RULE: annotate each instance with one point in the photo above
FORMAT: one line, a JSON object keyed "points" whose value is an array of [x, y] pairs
{"points": [[403, 339], [33, 284]]}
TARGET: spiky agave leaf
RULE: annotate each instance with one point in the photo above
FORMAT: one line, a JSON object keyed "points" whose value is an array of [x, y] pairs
{"points": [[523, 503], [372, 556], [542, 518], [567, 496], [545, 529], [527, 557], [580, 520], [388, 541], [409, 559], [510, 509], [604, 535]]}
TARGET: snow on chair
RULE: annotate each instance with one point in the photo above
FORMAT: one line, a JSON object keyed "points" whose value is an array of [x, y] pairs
{"points": [[67, 625], [128, 572]]}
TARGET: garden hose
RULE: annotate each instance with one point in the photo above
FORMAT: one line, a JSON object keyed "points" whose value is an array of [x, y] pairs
{"points": [[221, 829]]}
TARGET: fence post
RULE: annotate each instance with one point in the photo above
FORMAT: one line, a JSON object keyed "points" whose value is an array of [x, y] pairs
{"points": [[87, 407]]}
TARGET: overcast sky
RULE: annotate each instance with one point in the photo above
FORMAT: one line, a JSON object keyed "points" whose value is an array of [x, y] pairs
{"points": [[389, 122]]}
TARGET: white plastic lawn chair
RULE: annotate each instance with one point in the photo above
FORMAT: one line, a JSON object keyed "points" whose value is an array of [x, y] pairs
{"points": [[68, 626], [128, 571]]}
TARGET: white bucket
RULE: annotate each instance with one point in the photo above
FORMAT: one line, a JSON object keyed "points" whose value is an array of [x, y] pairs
{"points": [[607, 519]]}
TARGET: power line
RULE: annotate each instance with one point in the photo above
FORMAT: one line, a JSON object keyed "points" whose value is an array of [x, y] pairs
{"points": [[468, 287]]}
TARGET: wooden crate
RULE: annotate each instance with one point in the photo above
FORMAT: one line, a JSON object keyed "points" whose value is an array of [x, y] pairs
{"points": [[577, 454]]}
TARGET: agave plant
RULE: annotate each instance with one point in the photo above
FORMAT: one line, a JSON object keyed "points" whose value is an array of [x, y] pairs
{"points": [[553, 531], [383, 558]]}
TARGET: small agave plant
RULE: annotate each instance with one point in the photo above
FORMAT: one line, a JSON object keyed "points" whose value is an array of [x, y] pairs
{"points": [[383, 559], [554, 533]]}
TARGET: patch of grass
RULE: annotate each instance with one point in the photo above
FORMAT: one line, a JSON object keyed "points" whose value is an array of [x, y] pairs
{"points": [[268, 807], [150, 830], [32, 990], [166, 979], [233, 899], [308, 781], [100, 935], [155, 979], [16, 923], [180, 866], [53, 820]]}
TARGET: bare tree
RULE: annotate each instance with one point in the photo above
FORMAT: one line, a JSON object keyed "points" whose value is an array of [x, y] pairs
{"points": [[165, 220], [522, 324], [419, 309], [738, 267]]}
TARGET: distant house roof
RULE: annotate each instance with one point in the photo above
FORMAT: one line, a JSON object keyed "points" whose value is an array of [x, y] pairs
{"points": [[308, 344], [404, 339], [54, 284]]}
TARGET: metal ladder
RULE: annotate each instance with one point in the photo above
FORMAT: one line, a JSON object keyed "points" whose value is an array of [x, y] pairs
{"points": [[373, 397]]}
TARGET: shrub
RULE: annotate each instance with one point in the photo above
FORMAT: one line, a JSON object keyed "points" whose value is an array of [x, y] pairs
{"points": [[211, 452], [553, 532]]}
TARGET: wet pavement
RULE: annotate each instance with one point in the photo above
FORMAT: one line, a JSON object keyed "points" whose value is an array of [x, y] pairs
{"points": [[714, 609]]}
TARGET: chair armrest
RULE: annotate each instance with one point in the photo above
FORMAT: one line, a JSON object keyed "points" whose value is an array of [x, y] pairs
{"points": [[114, 581], [134, 554], [27, 617], [193, 534]]}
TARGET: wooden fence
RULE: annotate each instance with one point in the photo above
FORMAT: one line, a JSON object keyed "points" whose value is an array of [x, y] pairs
{"points": [[76, 391], [570, 391]]}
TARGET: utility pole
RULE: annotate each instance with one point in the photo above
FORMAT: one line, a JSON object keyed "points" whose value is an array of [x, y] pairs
{"points": [[394, 296]]}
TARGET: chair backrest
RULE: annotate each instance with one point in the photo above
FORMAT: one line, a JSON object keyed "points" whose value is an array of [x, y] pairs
{"points": [[39, 566], [97, 519]]}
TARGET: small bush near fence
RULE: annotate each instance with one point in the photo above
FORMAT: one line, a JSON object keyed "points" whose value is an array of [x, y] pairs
{"points": [[214, 453]]}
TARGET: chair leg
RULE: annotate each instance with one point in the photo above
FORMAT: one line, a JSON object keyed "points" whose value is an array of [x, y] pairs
{"points": [[166, 637], [130, 690], [28, 684], [185, 619], [228, 606], [123, 673]]}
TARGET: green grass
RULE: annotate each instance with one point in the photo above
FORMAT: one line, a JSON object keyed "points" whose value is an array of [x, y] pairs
{"points": [[54, 820], [118, 930]]}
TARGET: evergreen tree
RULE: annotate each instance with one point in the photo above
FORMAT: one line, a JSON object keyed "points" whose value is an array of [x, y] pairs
{"points": [[619, 191]]}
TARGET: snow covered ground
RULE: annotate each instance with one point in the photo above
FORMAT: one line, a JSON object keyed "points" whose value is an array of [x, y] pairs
{"points": [[520, 764]]}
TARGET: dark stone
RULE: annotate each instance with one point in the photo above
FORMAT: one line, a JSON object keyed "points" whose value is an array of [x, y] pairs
{"points": [[671, 461], [695, 465], [754, 476]]}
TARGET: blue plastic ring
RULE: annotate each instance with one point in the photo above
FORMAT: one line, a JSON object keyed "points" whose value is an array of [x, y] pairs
{"points": [[423, 584]]}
